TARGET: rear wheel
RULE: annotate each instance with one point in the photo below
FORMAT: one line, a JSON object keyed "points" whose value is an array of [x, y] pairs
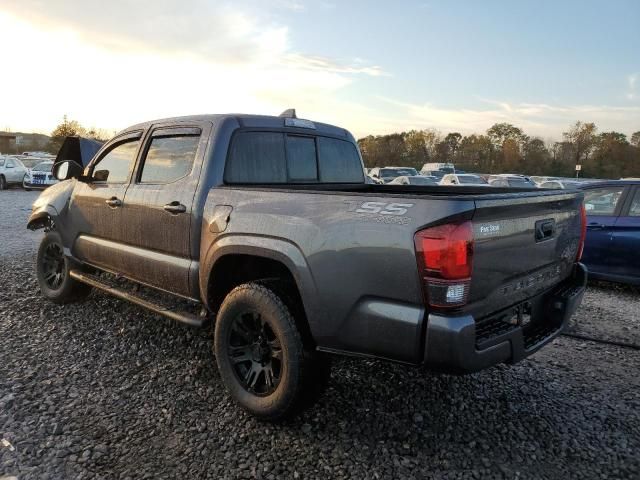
{"points": [[3, 183], [260, 353], [52, 268]]}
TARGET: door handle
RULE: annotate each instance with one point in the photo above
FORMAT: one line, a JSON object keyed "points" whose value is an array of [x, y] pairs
{"points": [[175, 208], [114, 202], [595, 226]]}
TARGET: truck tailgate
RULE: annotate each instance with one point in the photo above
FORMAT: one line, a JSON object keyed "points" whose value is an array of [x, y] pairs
{"points": [[523, 246]]}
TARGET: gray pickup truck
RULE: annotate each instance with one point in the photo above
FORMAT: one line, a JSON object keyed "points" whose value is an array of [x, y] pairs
{"points": [[267, 226]]}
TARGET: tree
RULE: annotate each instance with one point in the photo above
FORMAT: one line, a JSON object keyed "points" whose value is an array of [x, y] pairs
{"points": [[500, 132], [475, 153], [506, 148], [98, 134], [63, 130], [431, 139], [415, 152], [536, 156], [612, 156], [453, 141], [582, 138]]}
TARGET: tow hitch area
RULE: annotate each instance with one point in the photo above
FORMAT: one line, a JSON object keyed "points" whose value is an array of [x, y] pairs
{"points": [[520, 315]]}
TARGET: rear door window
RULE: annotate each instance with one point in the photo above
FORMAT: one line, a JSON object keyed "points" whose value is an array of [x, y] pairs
{"points": [[634, 209], [602, 201], [169, 158]]}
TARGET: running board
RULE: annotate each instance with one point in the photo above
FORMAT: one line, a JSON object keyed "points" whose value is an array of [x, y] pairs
{"points": [[183, 317]]}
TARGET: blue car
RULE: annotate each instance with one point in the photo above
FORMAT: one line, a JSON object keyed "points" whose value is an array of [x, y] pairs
{"points": [[612, 246]]}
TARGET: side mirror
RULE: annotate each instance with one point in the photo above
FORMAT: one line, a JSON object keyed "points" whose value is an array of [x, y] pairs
{"points": [[66, 169]]}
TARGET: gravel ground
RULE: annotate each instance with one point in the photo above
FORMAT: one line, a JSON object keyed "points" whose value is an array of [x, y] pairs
{"points": [[15, 206], [103, 389], [610, 312]]}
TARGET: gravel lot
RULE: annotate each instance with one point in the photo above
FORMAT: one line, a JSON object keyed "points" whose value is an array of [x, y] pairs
{"points": [[103, 389]]}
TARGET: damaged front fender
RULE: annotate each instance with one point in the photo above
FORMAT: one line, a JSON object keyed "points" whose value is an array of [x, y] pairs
{"points": [[51, 203]]}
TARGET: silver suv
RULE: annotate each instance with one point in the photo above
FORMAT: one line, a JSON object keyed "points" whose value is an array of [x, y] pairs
{"points": [[12, 171]]}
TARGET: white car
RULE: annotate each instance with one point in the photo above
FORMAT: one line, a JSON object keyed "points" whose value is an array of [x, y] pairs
{"points": [[12, 171], [463, 179], [39, 176]]}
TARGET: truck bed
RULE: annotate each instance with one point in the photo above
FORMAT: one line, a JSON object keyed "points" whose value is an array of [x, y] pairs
{"points": [[356, 242]]}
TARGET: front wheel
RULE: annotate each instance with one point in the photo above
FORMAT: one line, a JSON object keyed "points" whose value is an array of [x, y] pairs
{"points": [[3, 183], [52, 268], [260, 353]]}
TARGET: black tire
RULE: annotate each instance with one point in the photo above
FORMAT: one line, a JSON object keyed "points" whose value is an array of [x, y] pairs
{"points": [[3, 183], [251, 315], [52, 268]]}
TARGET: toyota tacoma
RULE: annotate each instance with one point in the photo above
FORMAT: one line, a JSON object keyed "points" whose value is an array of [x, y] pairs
{"points": [[265, 225]]}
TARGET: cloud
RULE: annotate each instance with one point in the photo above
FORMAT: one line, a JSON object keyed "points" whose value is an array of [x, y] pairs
{"points": [[632, 86], [215, 32], [535, 118], [100, 81], [211, 30], [327, 65]]}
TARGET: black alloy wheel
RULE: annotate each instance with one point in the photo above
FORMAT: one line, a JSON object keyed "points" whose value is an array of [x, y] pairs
{"points": [[53, 266], [255, 353]]}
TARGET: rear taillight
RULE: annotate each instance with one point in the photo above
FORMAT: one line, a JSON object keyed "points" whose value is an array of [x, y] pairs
{"points": [[445, 255], [583, 231]]}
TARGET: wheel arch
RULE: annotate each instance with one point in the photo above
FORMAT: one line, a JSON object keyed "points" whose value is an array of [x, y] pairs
{"points": [[237, 259]]}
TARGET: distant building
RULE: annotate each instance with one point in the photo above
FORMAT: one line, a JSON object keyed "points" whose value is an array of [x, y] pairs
{"points": [[7, 142]]}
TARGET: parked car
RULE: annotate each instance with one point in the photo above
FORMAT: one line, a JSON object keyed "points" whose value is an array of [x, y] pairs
{"points": [[443, 167], [414, 180], [514, 181], [612, 246], [538, 179], [433, 173], [561, 184], [386, 174], [12, 172], [463, 179], [40, 176], [266, 226]]}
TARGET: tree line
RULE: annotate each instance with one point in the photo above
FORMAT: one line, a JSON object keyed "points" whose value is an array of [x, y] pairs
{"points": [[70, 128], [505, 148]]}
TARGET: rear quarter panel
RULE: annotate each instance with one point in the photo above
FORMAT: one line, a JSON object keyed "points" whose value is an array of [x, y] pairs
{"points": [[352, 256]]}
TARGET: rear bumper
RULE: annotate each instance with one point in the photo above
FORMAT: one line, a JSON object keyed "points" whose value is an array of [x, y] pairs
{"points": [[462, 345]]}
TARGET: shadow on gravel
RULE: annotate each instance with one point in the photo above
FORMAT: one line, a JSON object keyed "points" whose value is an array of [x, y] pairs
{"points": [[103, 389], [609, 312]]}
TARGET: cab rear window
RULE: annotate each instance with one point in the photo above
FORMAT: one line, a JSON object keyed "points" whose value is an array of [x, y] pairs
{"points": [[276, 157]]}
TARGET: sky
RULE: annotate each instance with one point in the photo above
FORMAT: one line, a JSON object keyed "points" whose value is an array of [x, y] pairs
{"points": [[372, 67]]}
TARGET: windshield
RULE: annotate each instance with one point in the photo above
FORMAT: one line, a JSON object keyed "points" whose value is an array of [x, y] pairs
{"points": [[520, 182], [43, 167], [471, 179], [398, 172], [422, 181]]}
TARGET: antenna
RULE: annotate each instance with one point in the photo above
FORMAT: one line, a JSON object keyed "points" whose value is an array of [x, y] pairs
{"points": [[289, 113]]}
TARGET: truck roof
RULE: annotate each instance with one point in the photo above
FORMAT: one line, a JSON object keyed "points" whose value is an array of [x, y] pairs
{"points": [[248, 120]]}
